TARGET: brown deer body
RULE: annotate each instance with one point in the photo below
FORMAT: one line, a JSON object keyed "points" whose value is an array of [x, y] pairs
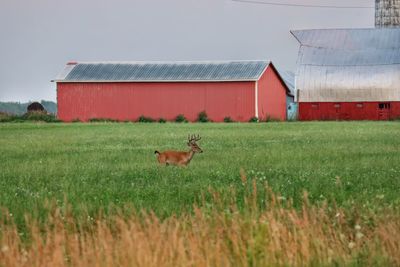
{"points": [[180, 158]]}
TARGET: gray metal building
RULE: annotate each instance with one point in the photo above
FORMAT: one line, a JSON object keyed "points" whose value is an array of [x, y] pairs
{"points": [[351, 73], [348, 65]]}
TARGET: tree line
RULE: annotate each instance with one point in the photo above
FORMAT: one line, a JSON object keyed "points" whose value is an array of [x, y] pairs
{"points": [[18, 108]]}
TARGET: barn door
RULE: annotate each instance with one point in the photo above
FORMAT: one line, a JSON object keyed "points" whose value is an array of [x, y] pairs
{"points": [[338, 114], [292, 111], [383, 111]]}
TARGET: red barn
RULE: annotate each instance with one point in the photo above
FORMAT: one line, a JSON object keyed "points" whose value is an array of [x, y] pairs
{"points": [[125, 91], [348, 74]]}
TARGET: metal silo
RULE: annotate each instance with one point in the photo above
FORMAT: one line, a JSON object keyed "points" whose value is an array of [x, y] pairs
{"points": [[387, 13]]}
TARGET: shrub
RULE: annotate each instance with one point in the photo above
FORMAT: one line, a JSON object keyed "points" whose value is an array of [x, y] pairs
{"points": [[102, 120], [145, 119], [5, 117], [228, 119], [76, 120], [202, 117], [180, 118], [253, 119], [162, 120], [39, 116], [271, 119], [30, 116]]}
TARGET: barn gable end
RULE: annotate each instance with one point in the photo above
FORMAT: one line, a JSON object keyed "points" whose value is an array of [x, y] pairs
{"points": [[272, 95]]}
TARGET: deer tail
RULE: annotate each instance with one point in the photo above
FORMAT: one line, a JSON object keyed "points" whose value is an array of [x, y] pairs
{"points": [[156, 152]]}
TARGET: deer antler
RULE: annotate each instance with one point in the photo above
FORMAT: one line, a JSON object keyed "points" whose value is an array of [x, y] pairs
{"points": [[193, 138], [197, 138]]}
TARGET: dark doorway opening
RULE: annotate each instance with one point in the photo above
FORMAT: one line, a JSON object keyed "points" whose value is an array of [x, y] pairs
{"points": [[383, 111]]}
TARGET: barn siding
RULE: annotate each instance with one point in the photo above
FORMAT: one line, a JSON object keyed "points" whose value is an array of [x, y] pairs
{"points": [[271, 96], [128, 101], [347, 111]]}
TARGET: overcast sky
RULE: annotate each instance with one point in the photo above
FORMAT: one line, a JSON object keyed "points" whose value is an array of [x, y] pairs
{"points": [[37, 37]]}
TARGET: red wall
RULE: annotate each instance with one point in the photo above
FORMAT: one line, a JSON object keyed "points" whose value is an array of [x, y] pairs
{"points": [[128, 101], [271, 96], [348, 111]]}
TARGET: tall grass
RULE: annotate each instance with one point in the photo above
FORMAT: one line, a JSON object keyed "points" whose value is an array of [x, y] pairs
{"points": [[271, 234], [100, 164]]}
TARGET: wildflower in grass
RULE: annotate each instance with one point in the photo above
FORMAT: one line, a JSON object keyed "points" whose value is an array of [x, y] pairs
{"points": [[359, 235], [351, 245]]}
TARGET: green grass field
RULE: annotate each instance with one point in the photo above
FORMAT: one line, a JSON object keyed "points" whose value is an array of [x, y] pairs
{"points": [[99, 164]]}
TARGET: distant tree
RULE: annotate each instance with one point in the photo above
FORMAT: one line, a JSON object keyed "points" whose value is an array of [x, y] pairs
{"points": [[18, 108], [50, 106], [13, 107], [35, 107]]}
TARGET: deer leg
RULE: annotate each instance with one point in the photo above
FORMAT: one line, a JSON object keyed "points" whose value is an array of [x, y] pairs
{"points": [[183, 164]]}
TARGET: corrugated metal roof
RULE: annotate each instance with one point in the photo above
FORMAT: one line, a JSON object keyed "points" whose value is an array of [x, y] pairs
{"points": [[342, 57], [163, 71], [350, 39], [348, 65], [288, 78]]}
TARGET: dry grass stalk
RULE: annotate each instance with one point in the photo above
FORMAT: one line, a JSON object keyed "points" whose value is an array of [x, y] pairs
{"points": [[273, 236]]}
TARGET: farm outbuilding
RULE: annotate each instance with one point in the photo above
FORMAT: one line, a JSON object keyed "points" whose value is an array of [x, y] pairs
{"points": [[127, 90], [348, 74]]}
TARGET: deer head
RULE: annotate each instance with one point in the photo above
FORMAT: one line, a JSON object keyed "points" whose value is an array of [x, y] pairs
{"points": [[192, 139]]}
